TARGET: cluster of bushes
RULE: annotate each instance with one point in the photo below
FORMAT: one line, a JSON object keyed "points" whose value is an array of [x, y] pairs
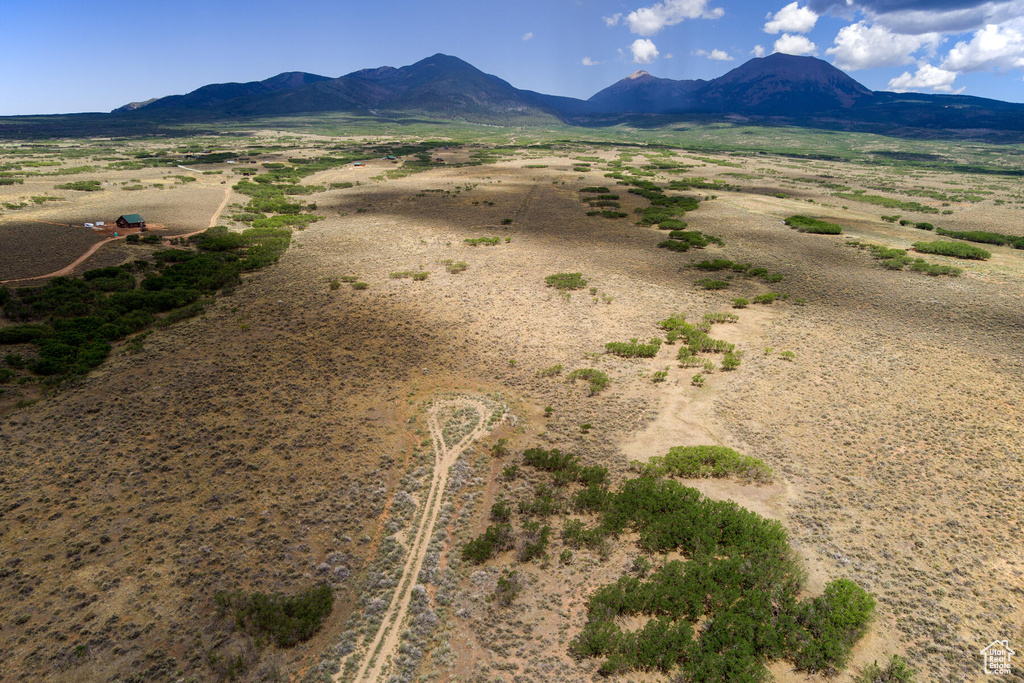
{"points": [[888, 202], [634, 348], [897, 259], [707, 461], [662, 207], [486, 241], [983, 237], [287, 620], [81, 186], [955, 249], [674, 245], [565, 467], [417, 275], [595, 378], [694, 238], [495, 539], [695, 337], [744, 268], [73, 321], [566, 281], [813, 225], [741, 580]]}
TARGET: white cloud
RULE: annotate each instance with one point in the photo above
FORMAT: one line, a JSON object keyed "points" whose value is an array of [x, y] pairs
{"points": [[993, 47], [758, 51], [716, 55], [914, 17], [795, 45], [647, 21], [792, 19], [613, 20], [587, 61], [928, 77], [527, 36], [859, 46], [644, 51]]}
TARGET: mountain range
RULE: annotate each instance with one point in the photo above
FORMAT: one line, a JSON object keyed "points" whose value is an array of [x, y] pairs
{"points": [[783, 88]]}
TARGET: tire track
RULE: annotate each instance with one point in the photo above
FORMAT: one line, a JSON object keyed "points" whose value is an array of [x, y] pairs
{"points": [[385, 643]]}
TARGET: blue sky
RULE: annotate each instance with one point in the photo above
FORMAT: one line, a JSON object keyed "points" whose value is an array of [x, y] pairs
{"points": [[72, 56]]}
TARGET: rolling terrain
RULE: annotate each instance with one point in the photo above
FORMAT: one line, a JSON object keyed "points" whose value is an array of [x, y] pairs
{"points": [[289, 435]]}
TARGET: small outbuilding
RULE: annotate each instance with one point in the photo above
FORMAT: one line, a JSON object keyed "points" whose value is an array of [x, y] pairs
{"points": [[131, 220]]}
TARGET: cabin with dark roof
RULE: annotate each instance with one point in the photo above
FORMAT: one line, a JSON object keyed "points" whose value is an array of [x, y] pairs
{"points": [[131, 220]]}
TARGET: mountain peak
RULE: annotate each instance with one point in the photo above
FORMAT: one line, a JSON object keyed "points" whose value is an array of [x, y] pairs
{"points": [[637, 74]]}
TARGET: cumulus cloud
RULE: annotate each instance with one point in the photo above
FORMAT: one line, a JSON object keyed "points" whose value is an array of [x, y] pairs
{"points": [[860, 46], [644, 51], [928, 77], [993, 47], [792, 19], [795, 45], [914, 17], [613, 20], [648, 21], [587, 61], [716, 55], [527, 36], [758, 51]]}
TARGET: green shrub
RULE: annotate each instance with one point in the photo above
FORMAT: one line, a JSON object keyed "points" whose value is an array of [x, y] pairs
{"points": [[486, 241], [708, 461], [566, 281], [595, 378], [921, 266], [455, 267], [924, 226], [552, 371], [634, 348], [832, 623], [896, 671], [595, 189], [740, 581], [765, 298], [672, 224], [360, 285], [81, 186], [955, 249], [496, 538], [995, 238], [731, 361], [813, 225], [740, 302], [288, 620], [508, 587], [535, 539], [674, 245], [714, 265]]}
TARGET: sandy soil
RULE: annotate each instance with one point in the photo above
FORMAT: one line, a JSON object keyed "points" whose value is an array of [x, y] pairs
{"points": [[257, 447]]}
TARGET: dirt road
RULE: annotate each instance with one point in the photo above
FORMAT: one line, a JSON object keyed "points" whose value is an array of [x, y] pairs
{"points": [[70, 268], [385, 644]]}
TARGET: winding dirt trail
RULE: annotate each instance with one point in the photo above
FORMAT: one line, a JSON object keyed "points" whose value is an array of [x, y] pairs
{"points": [[385, 644], [68, 269]]}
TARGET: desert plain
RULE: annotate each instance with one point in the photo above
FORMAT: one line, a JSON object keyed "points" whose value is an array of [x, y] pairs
{"points": [[287, 436]]}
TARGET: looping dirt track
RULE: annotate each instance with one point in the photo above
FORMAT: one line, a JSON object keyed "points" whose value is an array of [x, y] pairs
{"points": [[385, 643]]}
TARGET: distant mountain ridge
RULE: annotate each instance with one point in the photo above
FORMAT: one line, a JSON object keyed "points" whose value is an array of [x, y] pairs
{"points": [[804, 90]]}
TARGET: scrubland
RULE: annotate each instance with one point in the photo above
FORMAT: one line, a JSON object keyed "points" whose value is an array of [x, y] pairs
{"points": [[282, 439]]}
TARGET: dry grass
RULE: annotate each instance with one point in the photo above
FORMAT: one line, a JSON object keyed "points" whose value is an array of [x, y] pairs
{"points": [[260, 446]]}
